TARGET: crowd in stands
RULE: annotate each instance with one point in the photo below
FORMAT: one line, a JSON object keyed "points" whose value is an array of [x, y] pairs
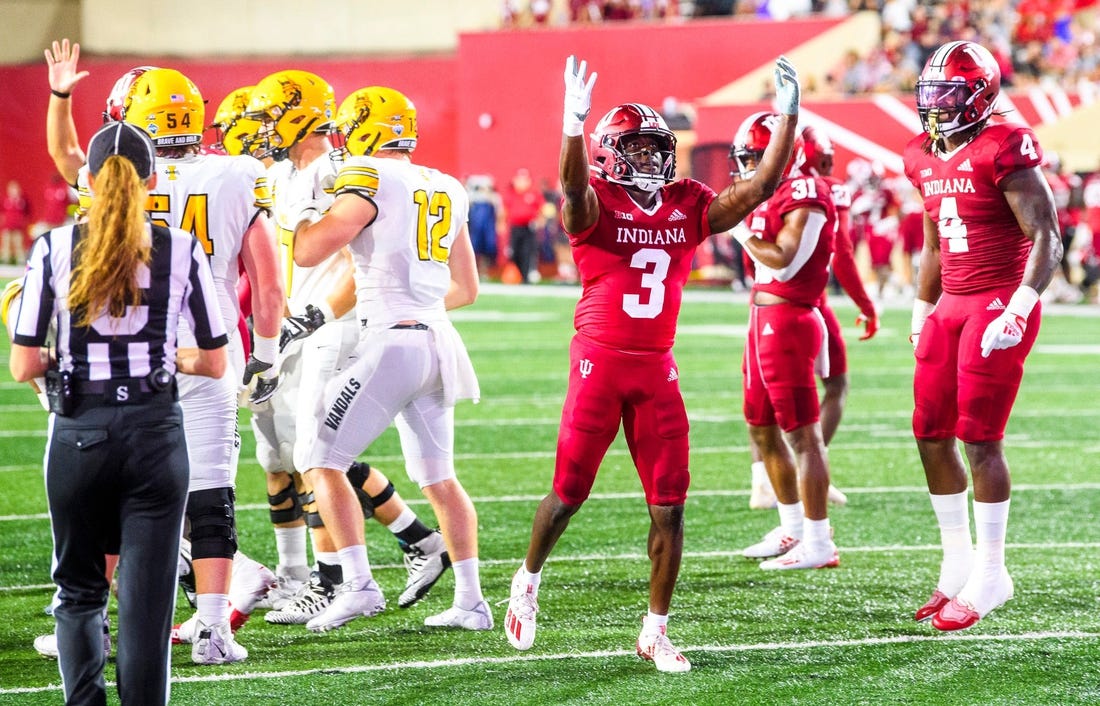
{"points": [[1032, 40]]}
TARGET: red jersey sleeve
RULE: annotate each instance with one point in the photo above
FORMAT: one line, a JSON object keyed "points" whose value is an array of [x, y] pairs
{"points": [[1018, 150]]}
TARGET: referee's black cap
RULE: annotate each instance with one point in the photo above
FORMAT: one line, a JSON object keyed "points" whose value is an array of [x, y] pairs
{"points": [[125, 140]]}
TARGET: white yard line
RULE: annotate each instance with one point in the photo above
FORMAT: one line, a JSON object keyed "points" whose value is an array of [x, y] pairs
{"points": [[870, 490], [602, 654]]}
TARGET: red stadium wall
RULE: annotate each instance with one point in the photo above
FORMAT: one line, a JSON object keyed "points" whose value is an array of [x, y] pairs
{"points": [[513, 77]]}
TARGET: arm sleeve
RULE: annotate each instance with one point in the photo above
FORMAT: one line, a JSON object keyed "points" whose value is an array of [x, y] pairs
{"points": [[844, 266], [36, 307]]}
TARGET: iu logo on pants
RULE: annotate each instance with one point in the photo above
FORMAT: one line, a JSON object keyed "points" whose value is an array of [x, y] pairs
{"points": [[585, 367]]}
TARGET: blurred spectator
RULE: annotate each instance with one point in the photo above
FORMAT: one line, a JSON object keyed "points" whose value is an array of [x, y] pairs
{"points": [[679, 116], [15, 217], [486, 220], [522, 205], [57, 197]]}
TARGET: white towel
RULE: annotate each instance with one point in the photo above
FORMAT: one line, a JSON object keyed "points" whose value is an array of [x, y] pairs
{"points": [[455, 368]]}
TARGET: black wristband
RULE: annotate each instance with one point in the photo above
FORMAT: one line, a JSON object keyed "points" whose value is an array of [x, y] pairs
{"points": [[59, 94]]}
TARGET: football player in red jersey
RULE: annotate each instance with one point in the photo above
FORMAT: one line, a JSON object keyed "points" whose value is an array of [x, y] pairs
{"points": [[991, 247], [790, 240], [633, 229], [819, 162]]}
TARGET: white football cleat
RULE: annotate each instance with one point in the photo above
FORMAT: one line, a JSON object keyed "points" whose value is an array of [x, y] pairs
{"points": [[184, 633], [215, 644], [802, 557], [775, 543], [425, 561], [836, 497], [519, 621], [347, 605], [46, 645], [310, 601], [478, 618], [762, 497], [288, 582], [657, 648], [251, 581]]}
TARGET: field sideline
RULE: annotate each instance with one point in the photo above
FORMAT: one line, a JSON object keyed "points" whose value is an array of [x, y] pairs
{"points": [[843, 636]]}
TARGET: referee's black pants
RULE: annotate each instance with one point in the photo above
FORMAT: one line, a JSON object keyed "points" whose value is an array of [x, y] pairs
{"points": [[116, 477]]}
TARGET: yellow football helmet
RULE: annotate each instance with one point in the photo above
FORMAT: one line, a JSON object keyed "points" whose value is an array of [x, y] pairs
{"points": [[290, 105], [167, 105], [13, 290], [376, 118], [236, 133]]}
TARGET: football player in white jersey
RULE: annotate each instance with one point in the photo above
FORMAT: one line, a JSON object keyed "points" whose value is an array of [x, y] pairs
{"points": [[405, 225], [169, 106], [295, 111], [223, 201]]}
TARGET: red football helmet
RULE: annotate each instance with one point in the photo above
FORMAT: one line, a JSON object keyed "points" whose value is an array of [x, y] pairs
{"points": [[619, 126], [957, 88], [119, 98], [752, 139], [819, 151]]}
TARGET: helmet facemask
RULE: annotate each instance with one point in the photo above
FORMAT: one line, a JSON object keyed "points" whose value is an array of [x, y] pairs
{"points": [[957, 89], [633, 146], [947, 107]]}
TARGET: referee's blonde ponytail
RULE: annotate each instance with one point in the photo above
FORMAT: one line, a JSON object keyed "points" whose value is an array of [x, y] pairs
{"points": [[104, 277]]}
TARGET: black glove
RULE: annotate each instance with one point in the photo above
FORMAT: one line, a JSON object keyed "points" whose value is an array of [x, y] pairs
{"points": [[298, 327], [265, 388], [253, 367]]}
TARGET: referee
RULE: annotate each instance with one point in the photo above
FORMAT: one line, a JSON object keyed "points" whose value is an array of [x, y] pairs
{"points": [[116, 459]]}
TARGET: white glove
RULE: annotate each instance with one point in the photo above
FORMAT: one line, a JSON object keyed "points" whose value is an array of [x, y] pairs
{"points": [[786, 87], [921, 311], [578, 97], [1007, 330]]}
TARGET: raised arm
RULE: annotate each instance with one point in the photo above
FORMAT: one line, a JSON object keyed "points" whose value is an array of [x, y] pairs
{"points": [[739, 198], [62, 140], [580, 208]]}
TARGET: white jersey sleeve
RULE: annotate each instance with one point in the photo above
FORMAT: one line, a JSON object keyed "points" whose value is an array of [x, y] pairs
{"points": [[215, 198]]}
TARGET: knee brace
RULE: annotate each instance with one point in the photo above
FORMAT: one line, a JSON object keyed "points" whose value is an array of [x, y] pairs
{"points": [[309, 509], [213, 524], [289, 493], [358, 472]]}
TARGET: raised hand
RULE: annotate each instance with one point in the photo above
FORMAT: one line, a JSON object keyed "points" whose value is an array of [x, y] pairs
{"points": [[61, 60], [787, 90], [578, 96]]}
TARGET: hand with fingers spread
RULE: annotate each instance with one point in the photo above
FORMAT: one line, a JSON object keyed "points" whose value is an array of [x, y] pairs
{"points": [[787, 90], [61, 59], [578, 96]]}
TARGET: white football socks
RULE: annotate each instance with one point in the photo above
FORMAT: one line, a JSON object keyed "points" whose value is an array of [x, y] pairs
{"points": [[953, 517]]}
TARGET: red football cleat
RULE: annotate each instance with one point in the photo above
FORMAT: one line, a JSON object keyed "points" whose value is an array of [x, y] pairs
{"points": [[237, 619], [926, 611], [956, 615]]}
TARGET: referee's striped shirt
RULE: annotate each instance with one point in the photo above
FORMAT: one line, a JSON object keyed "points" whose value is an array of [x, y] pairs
{"points": [[176, 283]]}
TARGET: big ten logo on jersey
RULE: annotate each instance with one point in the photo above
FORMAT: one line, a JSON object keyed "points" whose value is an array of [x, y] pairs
{"points": [[434, 216], [195, 218]]}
